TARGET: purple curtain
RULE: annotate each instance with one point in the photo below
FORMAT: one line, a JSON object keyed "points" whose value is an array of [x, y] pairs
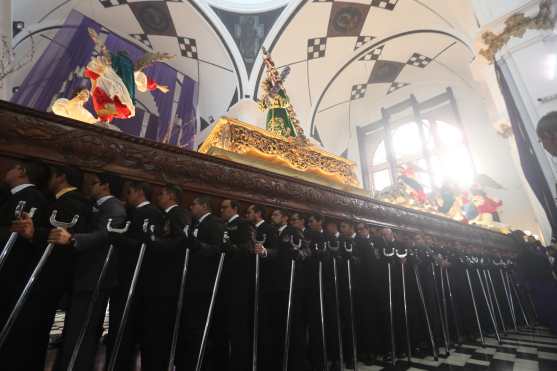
{"points": [[165, 102], [187, 114], [55, 71], [132, 125], [59, 73]]}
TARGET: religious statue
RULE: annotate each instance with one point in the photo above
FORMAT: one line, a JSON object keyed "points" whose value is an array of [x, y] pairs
{"points": [[281, 118], [115, 80], [487, 208], [409, 179], [73, 108]]}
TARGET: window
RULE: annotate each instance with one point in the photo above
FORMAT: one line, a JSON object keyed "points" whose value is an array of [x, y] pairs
{"points": [[435, 147]]}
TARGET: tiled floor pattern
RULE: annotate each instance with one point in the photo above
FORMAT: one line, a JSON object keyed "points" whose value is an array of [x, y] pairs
{"points": [[531, 349]]}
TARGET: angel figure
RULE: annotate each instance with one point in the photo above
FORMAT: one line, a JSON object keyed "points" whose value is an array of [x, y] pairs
{"points": [[73, 108], [115, 79]]}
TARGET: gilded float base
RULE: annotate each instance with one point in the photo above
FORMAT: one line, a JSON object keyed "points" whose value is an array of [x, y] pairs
{"points": [[240, 142]]}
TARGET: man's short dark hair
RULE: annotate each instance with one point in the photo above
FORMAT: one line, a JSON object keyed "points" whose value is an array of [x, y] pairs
{"points": [[317, 217], [298, 215], [282, 212], [114, 182], [330, 221], [259, 209], [73, 175], [36, 171], [174, 190], [203, 200], [141, 186], [234, 204]]}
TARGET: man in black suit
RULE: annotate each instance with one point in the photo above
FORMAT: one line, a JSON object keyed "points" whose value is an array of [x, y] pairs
{"points": [[318, 243], [164, 263], [23, 179], [91, 249], [268, 250], [137, 195], [367, 288], [204, 237], [57, 275], [234, 311], [291, 245], [347, 251]]}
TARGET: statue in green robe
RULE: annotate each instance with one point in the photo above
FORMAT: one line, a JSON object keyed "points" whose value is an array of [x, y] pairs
{"points": [[281, 118]]}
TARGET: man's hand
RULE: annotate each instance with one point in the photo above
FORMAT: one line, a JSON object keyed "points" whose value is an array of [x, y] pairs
{"points": [[24, 226], [260, 250], [59, 236]]}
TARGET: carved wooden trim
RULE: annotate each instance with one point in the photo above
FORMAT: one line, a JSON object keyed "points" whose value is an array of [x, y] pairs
{"points": [[28, 133]]}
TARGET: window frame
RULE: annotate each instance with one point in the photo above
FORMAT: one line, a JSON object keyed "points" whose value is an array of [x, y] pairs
{"points": [[389, 122]]}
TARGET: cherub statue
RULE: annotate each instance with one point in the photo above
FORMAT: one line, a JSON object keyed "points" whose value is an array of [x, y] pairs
{"points": [[73, 108], [115, 80]]}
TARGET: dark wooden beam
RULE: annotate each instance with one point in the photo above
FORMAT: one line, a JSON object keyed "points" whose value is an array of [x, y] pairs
{"points": [[28, 133]]}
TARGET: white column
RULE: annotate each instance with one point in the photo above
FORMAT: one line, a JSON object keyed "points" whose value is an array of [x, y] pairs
{"points": [[5, 31]]}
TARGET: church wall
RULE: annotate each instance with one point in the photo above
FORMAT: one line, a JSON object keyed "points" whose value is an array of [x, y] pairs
{"points": [[491, 154], [530, 68]]}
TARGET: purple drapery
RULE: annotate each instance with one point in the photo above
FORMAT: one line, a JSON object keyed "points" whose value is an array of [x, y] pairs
{"points": [[70, 50], [165, 102], [187, 114], [58, 73]]}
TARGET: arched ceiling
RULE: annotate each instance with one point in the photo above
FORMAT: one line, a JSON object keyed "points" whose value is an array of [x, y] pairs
{"points": [[347, 58]]}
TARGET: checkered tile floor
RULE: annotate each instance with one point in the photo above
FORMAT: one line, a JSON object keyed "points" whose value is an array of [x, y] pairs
{"points": [[528, 350], [58, 324]]}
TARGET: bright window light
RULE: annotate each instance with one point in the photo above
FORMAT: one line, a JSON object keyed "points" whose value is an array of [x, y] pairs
{"points": [[450, 160]]}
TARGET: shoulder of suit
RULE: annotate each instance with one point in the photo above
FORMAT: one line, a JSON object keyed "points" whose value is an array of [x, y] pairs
{"points": [[179, 210], [114, 203], [30, 194], [152, 208], [75, 196], [31, 190]]}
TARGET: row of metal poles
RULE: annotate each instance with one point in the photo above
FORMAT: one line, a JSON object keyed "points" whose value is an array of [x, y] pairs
{"points": [[512, 302]]}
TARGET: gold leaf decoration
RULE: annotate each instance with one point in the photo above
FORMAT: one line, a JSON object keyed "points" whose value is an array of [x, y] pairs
{"points": [[516, 26]]}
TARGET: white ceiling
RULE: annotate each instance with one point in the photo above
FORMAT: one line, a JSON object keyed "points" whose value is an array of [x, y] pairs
{"points": [[334, 88]]}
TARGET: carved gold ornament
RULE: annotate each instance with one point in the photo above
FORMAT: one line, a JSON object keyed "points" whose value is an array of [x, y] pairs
{"points": [[516, 26], [237, 137]]}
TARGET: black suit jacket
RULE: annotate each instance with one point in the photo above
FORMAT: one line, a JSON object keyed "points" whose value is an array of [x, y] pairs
{"points": [[240, 261], [23, 256], [205, 238], [129, 246], [92, 247], [267, 232], [347, 244], [59, 270], [317, 241], [282, 261], [165, 258], [369, 270]]}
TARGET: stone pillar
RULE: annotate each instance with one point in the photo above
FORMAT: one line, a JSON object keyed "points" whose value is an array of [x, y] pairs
{"points": [[5, 31]]}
